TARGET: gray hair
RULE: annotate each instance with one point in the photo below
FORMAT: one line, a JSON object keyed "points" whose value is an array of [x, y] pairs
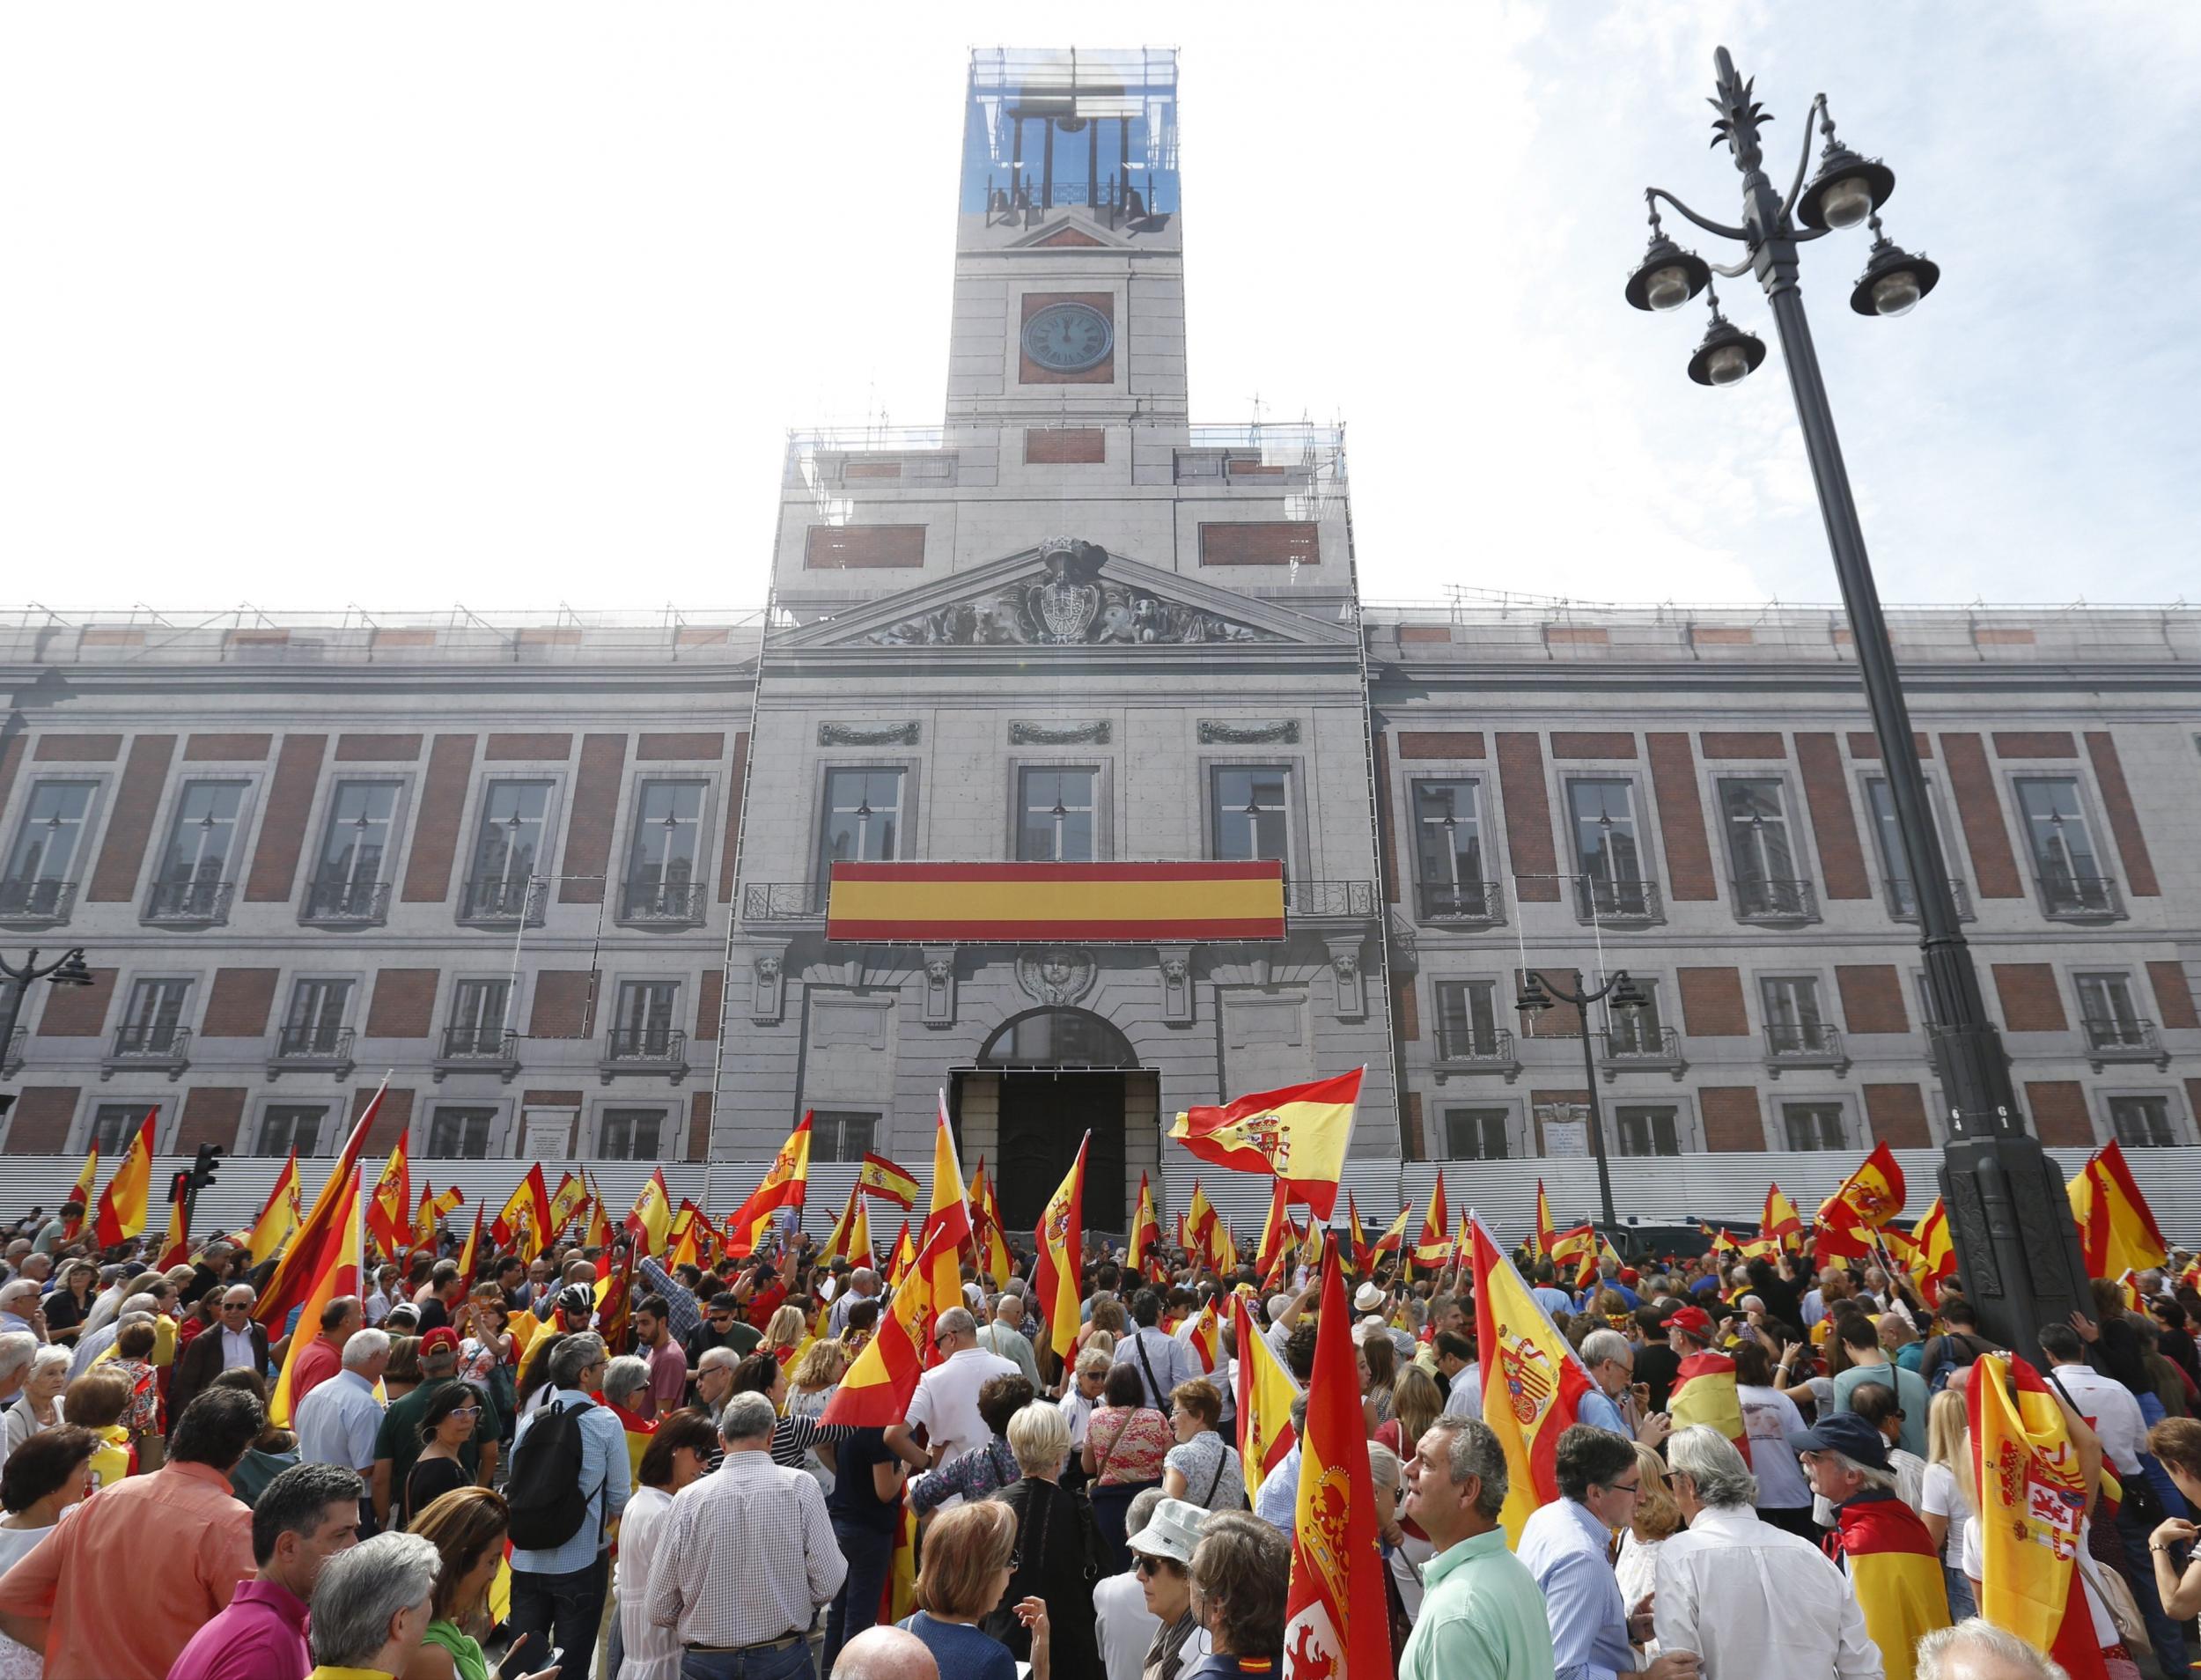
{"points": [[19, 1285], [1474, 1451], [1039, 1436], [1880, 1481], [1383, 1466], [1601, 1345], [956, 1321], [1977, 1634], [51, 1353], [623, 1375], [361, 1589], [365, 1348], [574, 1355], [1710, 1460], [1142, 1509], [864, 1277], [748, 1416], [18, 1349], [140, 1302], [1095, 1359], [715, 1357]]}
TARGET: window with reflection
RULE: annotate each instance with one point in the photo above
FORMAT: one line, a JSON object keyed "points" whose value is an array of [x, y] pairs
{"points": [[1055, 815], [47, 847], [201, 836], [863, 819], [667, 845], [1252, 807], [1449, 848], [355, 839]]}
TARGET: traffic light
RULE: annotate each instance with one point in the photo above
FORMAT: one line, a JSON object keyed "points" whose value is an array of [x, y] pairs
{"points": [[179, 1186], [202, 1166]]}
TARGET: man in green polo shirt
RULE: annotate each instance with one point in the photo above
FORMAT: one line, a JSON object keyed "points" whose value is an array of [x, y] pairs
{"points": [[397, 1443], [1482, 1612]]}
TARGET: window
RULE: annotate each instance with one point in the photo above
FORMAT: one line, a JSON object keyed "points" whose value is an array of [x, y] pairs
{"points": [[642, 1027], [350, 879], [42, 865], [315, 1024], [153, 1019], [1754, 812], [194, 880], [2141, 1122], [510, 851], [477, 1018], [2071, 875], [631, 1134], [1602, 813], [1813, 1125], [1251, 802], [1055, 815], [1793, 1025], [862, 820], [115, 1127], [1647, 1130], [2106, 1012], [460, 1133], [842, 1134], [1467, 1021], [1638, 1032], [1448, 850], [1477, 1134], [662, 862], [286, 1126], [1895, 861]]}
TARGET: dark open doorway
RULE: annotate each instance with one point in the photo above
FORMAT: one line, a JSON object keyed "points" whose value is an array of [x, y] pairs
{"points": [[1057, 1074]]}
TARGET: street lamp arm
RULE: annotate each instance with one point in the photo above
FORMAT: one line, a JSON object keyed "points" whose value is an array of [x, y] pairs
{"points": [[1803, 162], [1720, 228]]}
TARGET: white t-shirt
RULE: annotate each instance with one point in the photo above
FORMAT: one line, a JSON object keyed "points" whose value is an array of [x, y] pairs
{"points": [[1126, 1628], [1769, 1416], [946, 1401], [2108, 1405], [1939, 1496]]}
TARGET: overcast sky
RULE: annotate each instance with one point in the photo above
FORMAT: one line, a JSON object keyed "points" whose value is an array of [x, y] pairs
{"points": [[306, 304]]}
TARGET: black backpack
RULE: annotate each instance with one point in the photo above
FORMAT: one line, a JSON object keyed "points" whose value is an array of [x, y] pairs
{"points": [[543, 1494]]}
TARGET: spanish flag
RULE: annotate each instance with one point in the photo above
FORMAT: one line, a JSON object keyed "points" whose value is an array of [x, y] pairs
{"points": [[1897, 1574], [1705, 1392], [1532, 1382], [390, 1209], [1932, 1253], [1874, 1192], [176, 1250], [2117, 1228], [1394, 1239], [880, 1177], [2032, 1498], [1363, 1256], [434, 1209], [1210, 1238], [837, 1246], [1265, 1393], [522, 1225], [122, 1204], [1574, 1254], [1780, 1221], [597, 1231], [901, 1258], [650, 1220], [877, 1389], [1061, 1242], [1337, 1617], [1145, 1229], [306, 1256], [988, 1240], [1276, 1233], [1430, 1247], [337, 1274], [898, 1598], [1541, 1245], [946, 1225], [1297, 1134], [786, 1184], [566, 1201], [80, 1193], [469, 1256], [279, 1217], [1206, 1340]]}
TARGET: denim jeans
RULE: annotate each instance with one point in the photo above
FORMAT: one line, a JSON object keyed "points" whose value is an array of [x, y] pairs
{"points": [[2170, 1644], [568, 1608], [790, 1662], [1960, 1586], [869, 1555]]}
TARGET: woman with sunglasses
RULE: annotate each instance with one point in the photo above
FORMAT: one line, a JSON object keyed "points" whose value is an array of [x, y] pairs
{"points": [[444, 1428]]}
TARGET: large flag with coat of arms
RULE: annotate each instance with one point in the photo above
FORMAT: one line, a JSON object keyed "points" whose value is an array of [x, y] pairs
{"points": [[1297, 1134]]}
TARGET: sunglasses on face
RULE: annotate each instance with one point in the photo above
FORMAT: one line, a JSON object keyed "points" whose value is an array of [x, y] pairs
{"points": [[1145, 1568]]}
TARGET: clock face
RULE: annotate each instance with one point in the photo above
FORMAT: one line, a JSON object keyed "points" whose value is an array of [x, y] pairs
{"points": [[1068, 337]]}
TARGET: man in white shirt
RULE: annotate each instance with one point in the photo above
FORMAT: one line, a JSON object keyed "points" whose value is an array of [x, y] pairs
{"points": [[946, 1400], [338, 1421], [1752, 1601], [863, 1286], [20, 1310]]}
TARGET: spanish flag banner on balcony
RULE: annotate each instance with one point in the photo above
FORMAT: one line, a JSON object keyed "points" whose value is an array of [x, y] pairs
{"points": [[977, 903], [786, 1184], [122, 1204], [1533, 1384], [2117, 1228], [1297, 1135]]}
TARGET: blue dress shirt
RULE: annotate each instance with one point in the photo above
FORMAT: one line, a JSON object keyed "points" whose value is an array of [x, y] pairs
{"points": [[1564, 1547]]}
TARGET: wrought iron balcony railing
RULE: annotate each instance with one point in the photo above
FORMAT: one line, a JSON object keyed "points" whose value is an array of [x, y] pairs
{"points": [[150, 1044], [1810, 1043], [197, 903], [487, 901], [671, 903], [1902, 900], [1455, 901], [645, 1049], [1775, 900], [1656, 1050], [782, 900], [1329, 898], [35, 902], [1616, 901], [1476, 1049], [2112, 1039], [477, 1050], [346, 904], [2081, 898], [312, 1047]]}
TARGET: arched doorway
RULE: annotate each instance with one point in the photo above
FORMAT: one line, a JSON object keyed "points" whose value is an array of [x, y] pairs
{"points": [[1058, 1074]]}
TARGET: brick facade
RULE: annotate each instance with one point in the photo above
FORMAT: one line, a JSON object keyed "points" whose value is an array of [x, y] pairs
{"points": [[588, 833], [1733, 1121], [1979, 809], [1833, 818], [239, 1003], [129, 828], [212, 1114], [78, 1012], [404, 1003], [2030, 1000], [443, 801], [1897, 1117], [1527, 818], [2058, 1111], [289, 804], [1690, 875], [1712, 1003], [1872, 997]]}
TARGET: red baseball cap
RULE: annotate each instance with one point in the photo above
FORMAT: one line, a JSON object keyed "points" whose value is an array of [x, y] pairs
{"points": [[1630, 1276], [443, 1336], [1695, 1320]]}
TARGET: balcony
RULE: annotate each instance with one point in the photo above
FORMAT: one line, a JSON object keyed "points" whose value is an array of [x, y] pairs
{"points": [[1902, 900], [782, 900], [477, 1050], [1464, 1049], [188, 903], [1653, 1051], [1775, 900], [1318, 899], [154, 1047], [1616, 904], [301, 1048], [1460, 903], [645, 1049], [673, 903], [2111, 1039], [503, 901], [2081, 898], [1809, 1043], [36, 902], [11, 1053], [346, 904]]}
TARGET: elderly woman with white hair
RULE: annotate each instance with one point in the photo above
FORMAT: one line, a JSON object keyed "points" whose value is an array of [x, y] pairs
{"points": [[39, 1405]]}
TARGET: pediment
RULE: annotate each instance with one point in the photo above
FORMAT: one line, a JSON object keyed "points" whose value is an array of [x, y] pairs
{"points": [[1078, 234], [1066, 592]]}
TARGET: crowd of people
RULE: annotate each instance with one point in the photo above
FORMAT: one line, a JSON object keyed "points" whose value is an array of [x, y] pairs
{"points": [[504, 1463]]}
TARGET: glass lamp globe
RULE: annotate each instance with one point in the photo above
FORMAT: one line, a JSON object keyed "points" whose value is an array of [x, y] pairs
{"points": [[1727, 365], [1668, 287], [1846, 202], [1896, 293]]}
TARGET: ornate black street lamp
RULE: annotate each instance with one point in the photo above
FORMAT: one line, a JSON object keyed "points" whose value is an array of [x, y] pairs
{"points": [[1538, 993], [70, 971], [2017, 1251]]}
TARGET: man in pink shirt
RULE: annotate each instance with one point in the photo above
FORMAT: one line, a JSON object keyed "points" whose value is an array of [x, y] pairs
{"points": [[323, 1357], [668, 1363], [305, 1516], [119, 1587]]}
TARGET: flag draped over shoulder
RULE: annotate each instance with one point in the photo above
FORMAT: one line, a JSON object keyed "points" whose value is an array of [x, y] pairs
{"points": [[124, 1203], [1896, 1575], [1533, 1384], [1265, 1393], [1060, 1243], [337, 1274], [1297, 1134], [1338, 1618], [2032, 1496], [2117, 1231], [786, 1185]]}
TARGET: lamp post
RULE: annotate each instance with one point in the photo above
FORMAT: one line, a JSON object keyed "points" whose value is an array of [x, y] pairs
{"points": [[1538, 993], [70, 971], [2004, 1197]]}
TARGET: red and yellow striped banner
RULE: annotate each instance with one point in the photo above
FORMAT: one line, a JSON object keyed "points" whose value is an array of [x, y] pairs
{"points": [[1015, 901]]}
